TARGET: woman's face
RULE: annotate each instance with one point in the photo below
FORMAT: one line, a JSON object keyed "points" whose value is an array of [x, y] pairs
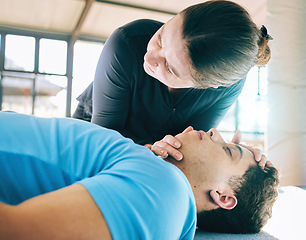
{"points": [[167, 58]]}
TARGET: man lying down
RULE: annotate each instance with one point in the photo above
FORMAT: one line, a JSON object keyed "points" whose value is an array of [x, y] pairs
{"points": [[69, 179]]}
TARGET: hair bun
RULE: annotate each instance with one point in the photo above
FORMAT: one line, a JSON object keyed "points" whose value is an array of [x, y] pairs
{"points": [[264, 52], [264, 33]]}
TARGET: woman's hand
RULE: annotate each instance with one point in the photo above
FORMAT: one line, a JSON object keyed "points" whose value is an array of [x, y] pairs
{"points": [[259, 157], [168, 146]]}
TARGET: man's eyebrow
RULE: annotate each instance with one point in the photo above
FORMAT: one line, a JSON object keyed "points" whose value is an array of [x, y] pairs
{"points": [[170, 66], [240, 150]]}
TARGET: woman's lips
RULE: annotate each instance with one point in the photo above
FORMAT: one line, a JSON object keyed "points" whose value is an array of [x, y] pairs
{"points": [[148, 67]]}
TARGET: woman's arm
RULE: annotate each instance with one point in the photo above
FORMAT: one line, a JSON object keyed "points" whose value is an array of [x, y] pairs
{"points": [[112, 83], [68, 213]]}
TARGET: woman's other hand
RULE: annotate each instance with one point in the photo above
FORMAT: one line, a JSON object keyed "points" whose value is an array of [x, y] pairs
{"points": [[259, 157]]}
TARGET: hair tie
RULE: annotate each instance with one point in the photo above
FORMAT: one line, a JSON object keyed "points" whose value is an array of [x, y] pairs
{"points": [[264, 33]]}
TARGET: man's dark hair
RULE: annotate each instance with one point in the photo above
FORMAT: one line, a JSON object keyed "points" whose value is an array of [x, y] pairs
{"points": [[256, 192]]}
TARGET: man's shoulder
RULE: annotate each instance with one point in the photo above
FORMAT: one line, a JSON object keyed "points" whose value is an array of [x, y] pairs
{"points": [[147, 171], [146, 188], [142, 160]]}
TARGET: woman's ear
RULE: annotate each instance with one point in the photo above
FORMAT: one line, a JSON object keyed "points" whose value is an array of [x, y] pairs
{"points": [[225, 200]]}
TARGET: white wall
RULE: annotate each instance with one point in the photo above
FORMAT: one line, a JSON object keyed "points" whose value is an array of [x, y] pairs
{"points": [[286, 133]]}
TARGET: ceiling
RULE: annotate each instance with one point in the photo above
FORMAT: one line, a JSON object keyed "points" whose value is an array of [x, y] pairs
{"points": [[97, 19]]}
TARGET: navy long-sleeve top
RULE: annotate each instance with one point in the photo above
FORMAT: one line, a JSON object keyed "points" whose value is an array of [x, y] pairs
{"points": [[123, 97]]}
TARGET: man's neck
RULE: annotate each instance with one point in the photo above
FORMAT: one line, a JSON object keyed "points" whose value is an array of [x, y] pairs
{"points": [[179, 165]]}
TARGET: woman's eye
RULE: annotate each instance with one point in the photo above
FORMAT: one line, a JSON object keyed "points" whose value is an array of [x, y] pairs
{"points": [[167, 67], [159, 40]]}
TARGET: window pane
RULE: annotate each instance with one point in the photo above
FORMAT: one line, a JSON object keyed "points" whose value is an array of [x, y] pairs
{"points": [[228, 122], [51, 96], [86, 55], [19, 53], [17, 93], [252, 102], [52, 56], [251, 109]]}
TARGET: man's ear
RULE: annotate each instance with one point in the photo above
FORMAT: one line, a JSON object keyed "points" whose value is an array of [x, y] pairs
{"points": [[226, 200]]}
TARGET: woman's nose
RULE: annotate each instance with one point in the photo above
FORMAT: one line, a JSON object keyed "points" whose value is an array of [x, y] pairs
{"points": [[152, 57]]}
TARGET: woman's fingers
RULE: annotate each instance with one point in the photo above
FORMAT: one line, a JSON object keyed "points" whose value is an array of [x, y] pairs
{"points": [[167, 146], [159, 150], [172, 141], [259, 157], [237, 137], [257, 152], [148, 146], [263, 161], [269, 164]]}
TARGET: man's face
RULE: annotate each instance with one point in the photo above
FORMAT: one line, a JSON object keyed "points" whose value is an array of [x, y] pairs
{"points": [[210, 161]]}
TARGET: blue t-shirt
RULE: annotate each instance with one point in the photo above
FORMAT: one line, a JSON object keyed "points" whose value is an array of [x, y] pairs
{"points": [[140, 195]]}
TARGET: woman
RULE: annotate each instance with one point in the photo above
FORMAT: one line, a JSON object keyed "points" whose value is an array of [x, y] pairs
{"points": [[154, 79]]}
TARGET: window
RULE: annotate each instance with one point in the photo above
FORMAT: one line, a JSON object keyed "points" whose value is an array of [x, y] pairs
{"points": [[17, 92], [47, 100], [86, 56], [45, 93], [52, 56], [249, 114], [51, 96], [19, 53], [252, 102], [23, 89]]}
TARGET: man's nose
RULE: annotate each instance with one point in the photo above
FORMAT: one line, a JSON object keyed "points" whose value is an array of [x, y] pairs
{"points": [[214, 134]]}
